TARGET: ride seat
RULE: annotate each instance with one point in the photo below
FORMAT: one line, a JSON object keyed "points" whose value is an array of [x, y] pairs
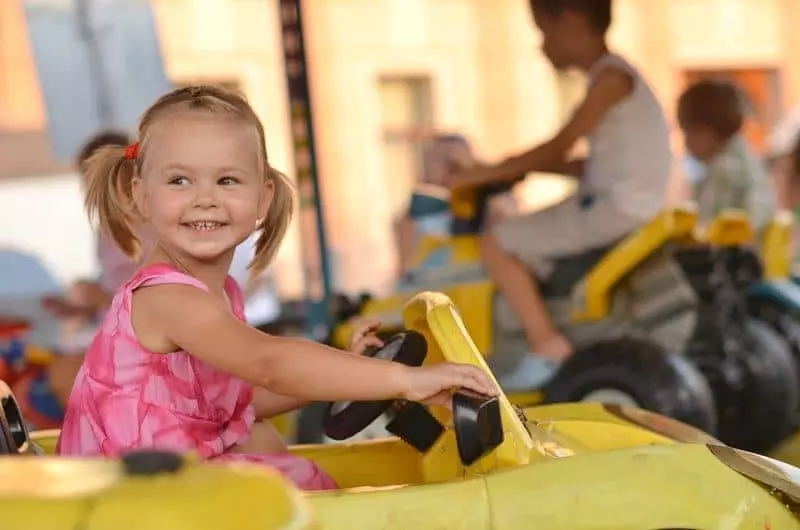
{"points": [[569, 270]]}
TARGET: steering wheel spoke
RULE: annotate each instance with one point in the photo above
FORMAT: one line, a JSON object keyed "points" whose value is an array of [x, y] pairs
{"points": [[344, 419]]}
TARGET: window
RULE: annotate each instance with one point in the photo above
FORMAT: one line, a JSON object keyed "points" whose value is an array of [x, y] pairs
{"points": [[760, 87], [406, 123]]}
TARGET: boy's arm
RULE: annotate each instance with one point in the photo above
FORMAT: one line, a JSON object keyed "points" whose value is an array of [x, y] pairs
{"points": [[574, 167], [611, 86]]}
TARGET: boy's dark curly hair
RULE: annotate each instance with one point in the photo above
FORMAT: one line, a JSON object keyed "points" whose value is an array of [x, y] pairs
{"points": [[597, 12], [716, 104]]}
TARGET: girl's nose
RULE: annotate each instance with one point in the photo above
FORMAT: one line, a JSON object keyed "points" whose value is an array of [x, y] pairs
{"points": [[205, 197]]}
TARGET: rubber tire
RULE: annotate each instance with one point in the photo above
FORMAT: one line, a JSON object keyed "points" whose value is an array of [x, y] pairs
{"points": [[768, 407], [784, 322], [658, 381]]}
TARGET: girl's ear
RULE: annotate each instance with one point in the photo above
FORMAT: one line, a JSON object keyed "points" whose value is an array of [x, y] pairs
{"points": [[265, 200], [137, 190]]}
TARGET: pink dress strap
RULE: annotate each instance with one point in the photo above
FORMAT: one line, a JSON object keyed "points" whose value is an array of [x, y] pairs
{"points": [[161, 274]]}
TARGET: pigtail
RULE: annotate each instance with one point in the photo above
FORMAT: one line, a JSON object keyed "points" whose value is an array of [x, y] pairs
{"points": [[274, 227], [109, 196]]}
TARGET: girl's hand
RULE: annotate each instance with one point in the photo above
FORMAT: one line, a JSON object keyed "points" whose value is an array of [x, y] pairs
{"points": [[364, 336], [433, 385]]}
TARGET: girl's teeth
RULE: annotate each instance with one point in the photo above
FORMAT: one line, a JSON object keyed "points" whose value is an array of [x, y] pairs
{"points": [[205, 225]]}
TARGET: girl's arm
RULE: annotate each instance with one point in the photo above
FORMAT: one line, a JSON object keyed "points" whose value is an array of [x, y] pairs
{"points": [[269, 404], [184, 317]]}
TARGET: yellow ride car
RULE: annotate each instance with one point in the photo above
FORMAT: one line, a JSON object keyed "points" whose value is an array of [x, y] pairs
{"points": [[480, 466], [658, 322]]}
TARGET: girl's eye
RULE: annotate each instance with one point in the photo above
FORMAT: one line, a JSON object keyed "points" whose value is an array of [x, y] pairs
{"points": [[227, 181], [179, 180]]}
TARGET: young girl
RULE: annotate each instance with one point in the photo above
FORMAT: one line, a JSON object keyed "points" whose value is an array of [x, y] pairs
{"points": [[174, 367]]}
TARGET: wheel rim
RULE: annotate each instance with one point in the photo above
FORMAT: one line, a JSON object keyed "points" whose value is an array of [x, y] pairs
{"points": [[611, 395]]}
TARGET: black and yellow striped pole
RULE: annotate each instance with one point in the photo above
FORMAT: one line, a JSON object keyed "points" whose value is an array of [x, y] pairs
{"points": [[312, 221]]}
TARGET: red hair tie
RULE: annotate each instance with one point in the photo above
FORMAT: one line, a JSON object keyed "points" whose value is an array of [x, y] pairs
{"points": [[132, 151]]}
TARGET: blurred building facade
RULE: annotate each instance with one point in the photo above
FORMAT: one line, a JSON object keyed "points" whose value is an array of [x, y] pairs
{"points": [[385, 74]]}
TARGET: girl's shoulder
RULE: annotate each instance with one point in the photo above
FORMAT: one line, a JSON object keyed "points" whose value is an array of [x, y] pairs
{"points": [[166, 274], [161, 274]]}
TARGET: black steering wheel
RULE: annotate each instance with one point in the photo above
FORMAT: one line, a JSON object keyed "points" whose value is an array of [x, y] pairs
{"points": [[344, 419]]}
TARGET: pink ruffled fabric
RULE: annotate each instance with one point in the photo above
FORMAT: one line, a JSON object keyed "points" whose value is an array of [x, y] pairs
{"points": [[126, 397]]}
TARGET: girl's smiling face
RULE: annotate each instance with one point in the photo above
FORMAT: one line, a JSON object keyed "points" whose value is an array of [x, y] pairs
{"points": [[203, 187]]}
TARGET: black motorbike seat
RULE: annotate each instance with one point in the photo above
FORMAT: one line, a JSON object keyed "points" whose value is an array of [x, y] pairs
{"points": [[569, 270]]}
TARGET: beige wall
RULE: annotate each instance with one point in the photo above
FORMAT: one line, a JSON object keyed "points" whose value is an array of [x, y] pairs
{"points": [[489, 81], [20, 97]]}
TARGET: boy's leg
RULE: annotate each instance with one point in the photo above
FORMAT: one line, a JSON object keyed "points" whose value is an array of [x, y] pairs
{"points": [[523, 248], [517, 285]]}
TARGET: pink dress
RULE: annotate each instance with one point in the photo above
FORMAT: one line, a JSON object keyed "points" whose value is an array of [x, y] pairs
{"points": [[126, 397]]}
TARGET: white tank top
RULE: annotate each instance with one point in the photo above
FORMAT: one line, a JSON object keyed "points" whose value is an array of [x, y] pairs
{"points": [[629, 151]]}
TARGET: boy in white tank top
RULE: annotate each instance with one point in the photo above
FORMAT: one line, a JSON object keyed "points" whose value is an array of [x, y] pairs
{"points": [[622, 183]]}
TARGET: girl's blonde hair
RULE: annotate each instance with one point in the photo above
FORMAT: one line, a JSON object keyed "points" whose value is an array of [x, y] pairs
{"points": [[110, 173]]}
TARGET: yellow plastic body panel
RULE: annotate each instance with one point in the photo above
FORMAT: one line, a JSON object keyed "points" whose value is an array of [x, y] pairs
{"points": [[36, 355], [777, 246], [434, 316], [473, 300], [457, 505], [592, 427], [426, 246], [465, 248], [46, 440], [573, 466], [789, 450], [592, 297], [95, 494], [665, 486], [675, 485], [527, 399], [730, 228], [474, 303], [385, 462], [662, 486], [285, 424], [463, 202]]}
